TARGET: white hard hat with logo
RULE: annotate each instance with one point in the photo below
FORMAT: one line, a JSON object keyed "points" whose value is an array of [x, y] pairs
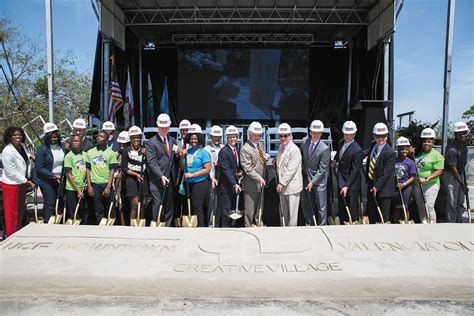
{"points": [[428, 133], [184, 124], [79, 124], [316, 126], [349, 127], [195, 129], [460, 127], [231, 130], [163, 120], [403, 141], [255, 128], [108, 126], [134, 131], [123, 137], [216, 131], [284, 128], [380, 129], [49, 127]]}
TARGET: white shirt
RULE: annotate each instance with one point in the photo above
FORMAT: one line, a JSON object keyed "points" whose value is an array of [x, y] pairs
{"points": [[15, 168], [58, 156], [213, 151]]}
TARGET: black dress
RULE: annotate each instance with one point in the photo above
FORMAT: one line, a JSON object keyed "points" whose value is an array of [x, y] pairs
{"points": [[132, 160]]}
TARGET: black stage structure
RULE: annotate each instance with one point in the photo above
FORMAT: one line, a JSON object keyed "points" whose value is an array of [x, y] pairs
{"points": [[349, 42]]}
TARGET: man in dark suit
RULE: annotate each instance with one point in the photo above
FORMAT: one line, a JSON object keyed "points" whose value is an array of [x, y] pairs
{"points": [[229, 163], [380, 174], [349, 158], [316, 156], [161, 154]]}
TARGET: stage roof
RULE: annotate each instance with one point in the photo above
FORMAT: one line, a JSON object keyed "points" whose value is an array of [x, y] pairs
{"points": [[184, 22]]}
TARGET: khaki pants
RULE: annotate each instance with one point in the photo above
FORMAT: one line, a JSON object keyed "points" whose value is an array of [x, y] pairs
{"points": [[431, 193], [289, 205]]}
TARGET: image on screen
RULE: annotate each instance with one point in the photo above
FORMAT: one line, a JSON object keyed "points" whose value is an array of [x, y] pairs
{"points": [[253, 84]]}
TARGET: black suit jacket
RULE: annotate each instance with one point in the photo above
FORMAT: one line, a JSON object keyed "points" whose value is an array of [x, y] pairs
{"points": [[229, 167], [350, 164], [383, 172], [158, 162]]}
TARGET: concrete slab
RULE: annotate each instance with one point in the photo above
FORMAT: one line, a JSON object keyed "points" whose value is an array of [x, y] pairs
{"points": [[427, 262]]}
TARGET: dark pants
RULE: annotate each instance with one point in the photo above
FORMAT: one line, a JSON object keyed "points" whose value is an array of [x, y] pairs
{"points": [[214, 205], [49, 189], [71, 203], [353, 202], [372, 212], [228, 201], [168, 203], [101, 203], [198, 194]]}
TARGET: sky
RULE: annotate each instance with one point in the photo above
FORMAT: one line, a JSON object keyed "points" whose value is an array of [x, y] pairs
{"points": [[419, 48]]}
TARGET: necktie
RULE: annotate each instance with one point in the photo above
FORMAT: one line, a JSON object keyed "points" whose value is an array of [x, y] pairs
{"points": [[310, 150], [372, 163], [235, 155], [165, 142], [343, 150], [260, 153]]}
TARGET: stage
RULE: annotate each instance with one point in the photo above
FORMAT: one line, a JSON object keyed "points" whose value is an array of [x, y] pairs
{"points": [[376, 262]]}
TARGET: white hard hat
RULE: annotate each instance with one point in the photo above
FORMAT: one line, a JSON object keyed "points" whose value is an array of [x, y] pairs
{"points": [[163, 120], [284, 128], [255, 128], [184, 124], [216, 131], [428, 133], [460, 127], [108, 126], [349, 127], [380, 129], [403, 141], [134, 131], [231, 130], [123, 137], [316, 126], [79, 123], [49, 127], [195, 129]]}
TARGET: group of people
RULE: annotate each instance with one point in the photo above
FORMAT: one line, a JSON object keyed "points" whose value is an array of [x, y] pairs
{"points": [[122, 177]]}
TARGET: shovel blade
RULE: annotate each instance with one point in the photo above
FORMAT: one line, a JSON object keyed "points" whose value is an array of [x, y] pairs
{"points": [[365, 220], [177, 222], [189, 221], [58, 219], [235, 215], [103, 221], [152, 224], [77, 222], [133, 222], [330, 221], [110, 222], [142, 223], [52, 220], [337, 221], [401, 221], [69, 222], [161, 224]]}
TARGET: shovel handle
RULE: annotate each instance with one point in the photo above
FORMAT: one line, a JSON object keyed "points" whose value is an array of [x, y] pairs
{"points": [[159, 214], [348, 213], [189, 207], [138, 210], [380, 214], [56, 207]]}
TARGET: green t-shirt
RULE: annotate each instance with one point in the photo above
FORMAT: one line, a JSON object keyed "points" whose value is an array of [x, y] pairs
{"points": [[100, 162], [77, 164], [428, 163]]}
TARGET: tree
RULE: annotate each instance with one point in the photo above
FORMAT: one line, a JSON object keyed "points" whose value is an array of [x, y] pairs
{"points": [[28, 76], [469, 115]]}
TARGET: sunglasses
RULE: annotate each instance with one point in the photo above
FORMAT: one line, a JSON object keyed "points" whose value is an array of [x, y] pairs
{"points": [[284, 136]]}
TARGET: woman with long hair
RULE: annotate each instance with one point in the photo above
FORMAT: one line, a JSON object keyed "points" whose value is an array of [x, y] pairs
{"points": [[15, 178]]}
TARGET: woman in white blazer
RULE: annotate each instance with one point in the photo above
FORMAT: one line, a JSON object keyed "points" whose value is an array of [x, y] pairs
{"points": [[15, 178]]}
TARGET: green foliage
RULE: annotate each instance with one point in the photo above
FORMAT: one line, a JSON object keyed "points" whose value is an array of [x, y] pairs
{"points": [[29, 80], [469, 115]]}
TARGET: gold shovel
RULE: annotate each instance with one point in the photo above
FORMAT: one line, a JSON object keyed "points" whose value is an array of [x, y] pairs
{"points": [[137, 222], [35, 202], [349, 214], [56, 219], [74, 220], [378, 210], [109, 221], [189, 220]]}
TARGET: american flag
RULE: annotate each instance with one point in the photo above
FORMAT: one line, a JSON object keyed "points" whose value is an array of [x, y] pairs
{"points": [[115, 95]]}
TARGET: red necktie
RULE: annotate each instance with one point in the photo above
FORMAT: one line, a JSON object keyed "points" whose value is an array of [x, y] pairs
{"points": [[166, 146], [235, 155]]}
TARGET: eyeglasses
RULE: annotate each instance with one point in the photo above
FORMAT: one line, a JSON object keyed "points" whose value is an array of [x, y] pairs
{"points": [[284, 136]]}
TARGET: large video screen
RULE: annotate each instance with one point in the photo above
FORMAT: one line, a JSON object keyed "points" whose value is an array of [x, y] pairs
{"points": [[253, 84]]}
